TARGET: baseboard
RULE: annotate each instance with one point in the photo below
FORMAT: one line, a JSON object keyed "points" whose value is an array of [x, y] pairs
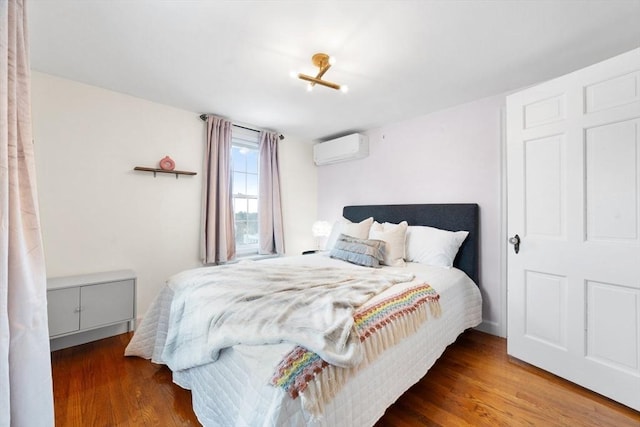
{"points": [[492, 328], [87, 336]]}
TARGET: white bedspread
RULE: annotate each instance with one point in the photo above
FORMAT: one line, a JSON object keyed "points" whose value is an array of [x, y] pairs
{"points": [[256, 303], [235, 390]]}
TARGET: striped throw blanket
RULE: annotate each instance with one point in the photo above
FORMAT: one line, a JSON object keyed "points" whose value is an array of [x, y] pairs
{"points": [[380, 326], [255, 303]]}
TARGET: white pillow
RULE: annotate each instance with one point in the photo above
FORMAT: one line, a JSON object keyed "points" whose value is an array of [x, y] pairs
{"points": [[359, 230], [432, 246], [394, 236]]}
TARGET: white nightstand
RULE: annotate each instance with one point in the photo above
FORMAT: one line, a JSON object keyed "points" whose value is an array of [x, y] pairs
{"points": [[78, 304]]}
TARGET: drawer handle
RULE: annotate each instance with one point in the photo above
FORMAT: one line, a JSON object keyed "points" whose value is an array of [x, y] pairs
{"points": [[78, 309]]}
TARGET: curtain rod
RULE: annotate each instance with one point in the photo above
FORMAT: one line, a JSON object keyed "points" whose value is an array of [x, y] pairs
{"points": [[203, 117]]}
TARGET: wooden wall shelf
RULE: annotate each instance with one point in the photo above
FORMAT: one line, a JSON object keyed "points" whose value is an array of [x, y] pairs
{"points": [[158, 170]]}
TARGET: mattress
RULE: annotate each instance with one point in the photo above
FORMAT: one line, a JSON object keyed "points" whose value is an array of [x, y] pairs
{"points": [[235, 390]]}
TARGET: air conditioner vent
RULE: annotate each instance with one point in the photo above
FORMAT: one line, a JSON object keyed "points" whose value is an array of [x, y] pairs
{"points": [[350, 147]]}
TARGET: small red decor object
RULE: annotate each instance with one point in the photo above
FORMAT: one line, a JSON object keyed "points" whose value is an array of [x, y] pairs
{"points": [[167, 164]]}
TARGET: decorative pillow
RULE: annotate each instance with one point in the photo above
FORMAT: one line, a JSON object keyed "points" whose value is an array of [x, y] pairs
{"points": [[359, 230], [363, 252], [394, 235], [432, 246]]}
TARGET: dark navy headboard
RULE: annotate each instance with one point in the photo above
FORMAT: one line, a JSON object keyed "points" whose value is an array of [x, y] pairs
{"points": [[451, 217]]}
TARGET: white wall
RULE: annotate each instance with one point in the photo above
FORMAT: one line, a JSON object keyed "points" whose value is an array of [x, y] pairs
{"points": [[98, 214], [452, 156], [298, 184]]}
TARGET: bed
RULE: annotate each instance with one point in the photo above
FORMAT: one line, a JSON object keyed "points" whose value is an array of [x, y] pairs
{"points": [[238, 388]]}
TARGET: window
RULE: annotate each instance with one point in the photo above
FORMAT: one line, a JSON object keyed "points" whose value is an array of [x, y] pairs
{"points": [[244, 175]]}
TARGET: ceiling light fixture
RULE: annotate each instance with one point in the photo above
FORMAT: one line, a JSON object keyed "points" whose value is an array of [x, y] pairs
{"points": [[323, 62]]}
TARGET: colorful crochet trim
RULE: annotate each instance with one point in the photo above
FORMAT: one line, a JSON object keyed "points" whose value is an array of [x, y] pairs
{"points": [[301, 366]]}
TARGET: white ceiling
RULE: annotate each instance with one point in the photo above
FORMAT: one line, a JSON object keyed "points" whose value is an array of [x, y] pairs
{"points": [[400, 59]]}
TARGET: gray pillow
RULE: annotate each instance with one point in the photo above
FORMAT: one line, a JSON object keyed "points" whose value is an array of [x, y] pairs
{"points": [[365, 252]]}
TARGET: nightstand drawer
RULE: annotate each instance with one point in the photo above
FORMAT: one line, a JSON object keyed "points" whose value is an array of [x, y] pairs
{"points": [[63, 306], [106, 303]]}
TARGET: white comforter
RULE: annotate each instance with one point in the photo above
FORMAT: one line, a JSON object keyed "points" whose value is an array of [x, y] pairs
{"points": [[235, 390], [256, 303]]}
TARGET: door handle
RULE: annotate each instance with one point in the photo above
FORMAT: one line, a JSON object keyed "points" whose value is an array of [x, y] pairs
{"points": [[515, 241]]}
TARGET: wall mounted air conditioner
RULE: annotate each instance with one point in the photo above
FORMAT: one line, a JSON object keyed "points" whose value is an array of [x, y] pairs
{"points": [[350, 147]]}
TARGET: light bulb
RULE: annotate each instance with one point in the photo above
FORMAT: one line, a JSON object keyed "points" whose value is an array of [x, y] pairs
{"points": [[344, 88], [309, 87], [293, 74], [332, 60]]}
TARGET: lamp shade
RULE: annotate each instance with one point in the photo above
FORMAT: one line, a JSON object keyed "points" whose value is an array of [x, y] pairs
{"points": [[321, 229]]}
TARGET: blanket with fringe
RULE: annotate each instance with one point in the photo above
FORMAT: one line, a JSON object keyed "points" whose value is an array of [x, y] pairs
{"points": [[255, 303], [380, 326]]}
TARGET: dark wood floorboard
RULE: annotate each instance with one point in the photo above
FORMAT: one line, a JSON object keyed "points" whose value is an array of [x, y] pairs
{"points": [[474, 383]]}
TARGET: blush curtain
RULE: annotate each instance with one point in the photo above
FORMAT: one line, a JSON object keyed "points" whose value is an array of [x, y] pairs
{"points": [[26, 396], [218, 233], [271, 239]]}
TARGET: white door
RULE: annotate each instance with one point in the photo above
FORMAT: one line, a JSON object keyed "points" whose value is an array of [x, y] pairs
{"points": [[573, 160]]}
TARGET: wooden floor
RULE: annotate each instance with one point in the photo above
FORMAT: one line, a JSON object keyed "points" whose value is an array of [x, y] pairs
{"points": [[474, 384]]}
